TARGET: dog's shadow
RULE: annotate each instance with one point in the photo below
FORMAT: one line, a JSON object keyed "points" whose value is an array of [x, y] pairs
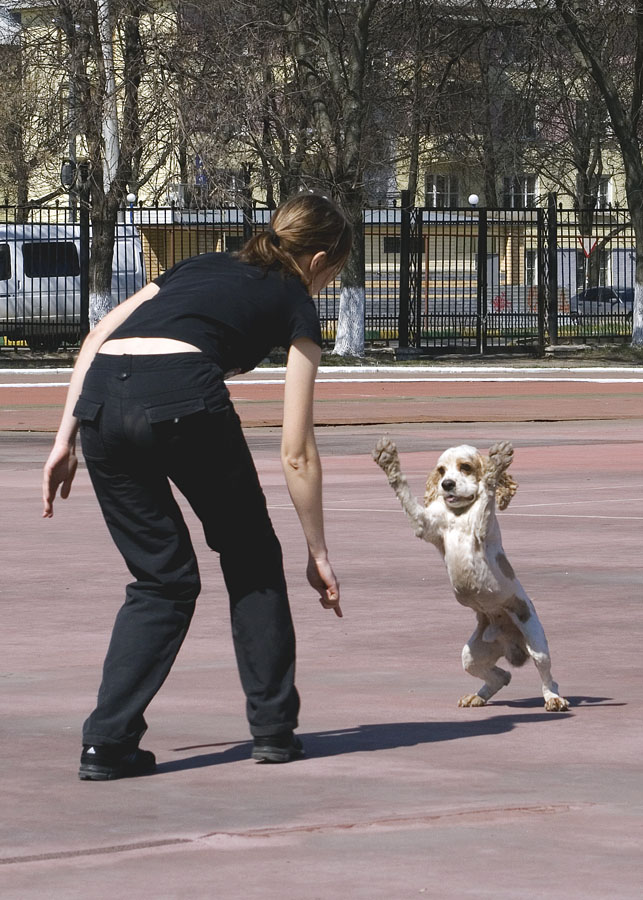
{"points": [[388, 736], [574, 702]]}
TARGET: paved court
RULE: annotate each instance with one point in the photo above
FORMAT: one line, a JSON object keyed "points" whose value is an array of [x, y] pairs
{"points": [[403, 794]]}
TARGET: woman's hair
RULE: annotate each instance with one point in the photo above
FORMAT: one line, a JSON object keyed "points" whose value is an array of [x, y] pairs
{"points": [[307, 223]]}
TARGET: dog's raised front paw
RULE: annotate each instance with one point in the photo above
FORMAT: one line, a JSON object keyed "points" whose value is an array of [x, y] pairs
{"points": [[501, 454], [556, 704], [471, 700], [385, 454], [500, 458]]}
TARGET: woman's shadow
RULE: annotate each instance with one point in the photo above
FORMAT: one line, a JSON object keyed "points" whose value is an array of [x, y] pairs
{"points": [[384, 736]]}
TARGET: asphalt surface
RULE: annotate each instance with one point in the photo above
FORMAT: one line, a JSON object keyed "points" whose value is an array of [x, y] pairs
{"points": [[402, 794]]}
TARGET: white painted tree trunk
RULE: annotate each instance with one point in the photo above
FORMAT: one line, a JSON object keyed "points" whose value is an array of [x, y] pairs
{"points": [[99, 305], [637, 316], [350, 324]]}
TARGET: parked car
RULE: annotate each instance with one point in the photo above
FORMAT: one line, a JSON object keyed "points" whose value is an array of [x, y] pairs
{"points": [[602, 301], [40, 280]]}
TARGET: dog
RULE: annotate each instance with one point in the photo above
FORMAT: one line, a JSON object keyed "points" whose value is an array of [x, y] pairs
{"points": [[459, 518]]}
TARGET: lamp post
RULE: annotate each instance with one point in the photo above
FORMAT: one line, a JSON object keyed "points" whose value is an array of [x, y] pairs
{"points": [[481, 267], [131, 200]]}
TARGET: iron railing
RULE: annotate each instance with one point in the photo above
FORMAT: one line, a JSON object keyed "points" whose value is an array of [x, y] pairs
{"points": [[464, 280]]}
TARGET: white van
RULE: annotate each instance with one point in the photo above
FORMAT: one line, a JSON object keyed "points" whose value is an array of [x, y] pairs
{"points": [[40, 280]]}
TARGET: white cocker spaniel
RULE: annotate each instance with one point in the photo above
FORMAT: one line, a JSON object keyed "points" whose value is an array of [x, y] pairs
{"points": [[459, 518]]}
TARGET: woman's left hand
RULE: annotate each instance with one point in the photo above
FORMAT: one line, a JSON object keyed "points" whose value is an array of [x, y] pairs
{"points": [[322, 578], [60, 469]]}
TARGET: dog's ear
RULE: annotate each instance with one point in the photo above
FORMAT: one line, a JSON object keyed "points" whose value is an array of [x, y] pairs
{"points": [[431, 491], [505, 490]]}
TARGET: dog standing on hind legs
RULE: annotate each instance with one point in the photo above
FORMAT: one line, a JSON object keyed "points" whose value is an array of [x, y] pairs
{"points": [[459, 518]]}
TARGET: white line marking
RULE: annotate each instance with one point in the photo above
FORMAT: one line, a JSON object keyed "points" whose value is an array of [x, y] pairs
{"points": [[575, 502], [574, 516], [447, 380], [36, 384], [274, 381], [65, 371]]}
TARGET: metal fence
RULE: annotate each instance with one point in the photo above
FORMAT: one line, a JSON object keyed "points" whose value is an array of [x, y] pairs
{"points": [[464, 280], [488, 280]]}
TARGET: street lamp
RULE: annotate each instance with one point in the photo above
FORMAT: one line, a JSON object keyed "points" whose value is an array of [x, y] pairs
{"points": [[131, 200], [68, 174]]}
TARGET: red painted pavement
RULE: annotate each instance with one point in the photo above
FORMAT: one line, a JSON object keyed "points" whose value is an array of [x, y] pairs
{"points": [[338, 403], [403, 794]]}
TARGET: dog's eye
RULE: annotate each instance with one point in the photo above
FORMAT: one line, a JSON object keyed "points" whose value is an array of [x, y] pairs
{"points": [[441, 470], [466, 468]]}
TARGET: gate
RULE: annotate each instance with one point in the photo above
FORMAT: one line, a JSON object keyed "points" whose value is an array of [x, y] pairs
{"points": [[476, 280], [503, 280]]}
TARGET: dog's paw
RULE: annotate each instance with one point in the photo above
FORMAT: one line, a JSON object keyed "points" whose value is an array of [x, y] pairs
{"points": [[556, 704], [472, 700], [501, 454], [385, 454]]}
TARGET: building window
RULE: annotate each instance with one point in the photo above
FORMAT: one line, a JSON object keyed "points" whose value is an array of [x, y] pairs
{"points": [[604, 192], [519, 191], [531, 267], [441, 191]]}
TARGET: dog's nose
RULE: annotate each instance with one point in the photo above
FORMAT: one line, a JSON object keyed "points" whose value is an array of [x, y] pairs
{"points": [[448, 484]]}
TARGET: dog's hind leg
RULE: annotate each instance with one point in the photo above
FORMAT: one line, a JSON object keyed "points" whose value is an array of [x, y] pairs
{"points": [[478, 659], [538, 649]]}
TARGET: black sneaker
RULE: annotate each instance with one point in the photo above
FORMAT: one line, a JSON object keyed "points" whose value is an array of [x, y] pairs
{"points": [[105, 763], [278, 748]]}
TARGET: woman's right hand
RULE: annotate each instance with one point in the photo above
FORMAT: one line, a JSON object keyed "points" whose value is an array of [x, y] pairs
{"points": [[60, 469], [322, 578]]}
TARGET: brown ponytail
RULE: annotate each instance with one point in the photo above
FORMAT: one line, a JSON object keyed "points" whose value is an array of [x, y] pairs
{"points": [[305, 224]]}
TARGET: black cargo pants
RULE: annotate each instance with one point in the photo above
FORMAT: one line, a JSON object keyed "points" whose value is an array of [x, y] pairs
{"points": [[146, 421]]}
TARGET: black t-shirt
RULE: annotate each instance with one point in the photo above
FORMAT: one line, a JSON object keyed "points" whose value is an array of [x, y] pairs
{"points": [[234, 312]]}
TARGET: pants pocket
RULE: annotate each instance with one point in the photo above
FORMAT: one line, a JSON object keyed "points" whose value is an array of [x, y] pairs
{"points": [[174, 411], [88, 411]]}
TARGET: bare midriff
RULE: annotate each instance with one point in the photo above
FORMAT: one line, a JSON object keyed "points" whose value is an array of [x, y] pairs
{"points": [[148, 346]]}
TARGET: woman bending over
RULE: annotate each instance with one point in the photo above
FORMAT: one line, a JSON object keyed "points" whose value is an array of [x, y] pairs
{"points": [[149, 397]]}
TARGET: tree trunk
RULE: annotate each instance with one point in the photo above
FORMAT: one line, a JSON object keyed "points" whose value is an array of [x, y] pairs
{"points": [[352, 303], [637, 312], [103, 218]]}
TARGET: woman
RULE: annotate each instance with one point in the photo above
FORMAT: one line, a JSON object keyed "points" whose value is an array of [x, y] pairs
{"points": [[149, 395]]}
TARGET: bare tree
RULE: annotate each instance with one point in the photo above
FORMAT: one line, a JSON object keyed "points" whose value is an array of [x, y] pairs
{"points": [[283, 86], [593, 31], [30, 125], [332, 52], [106, 66]]}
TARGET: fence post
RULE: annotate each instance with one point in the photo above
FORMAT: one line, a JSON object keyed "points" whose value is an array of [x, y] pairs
{"points": [[248, 217], [540, 274], [83, 220], [405, 266], [552, 268], [481, 327]]}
